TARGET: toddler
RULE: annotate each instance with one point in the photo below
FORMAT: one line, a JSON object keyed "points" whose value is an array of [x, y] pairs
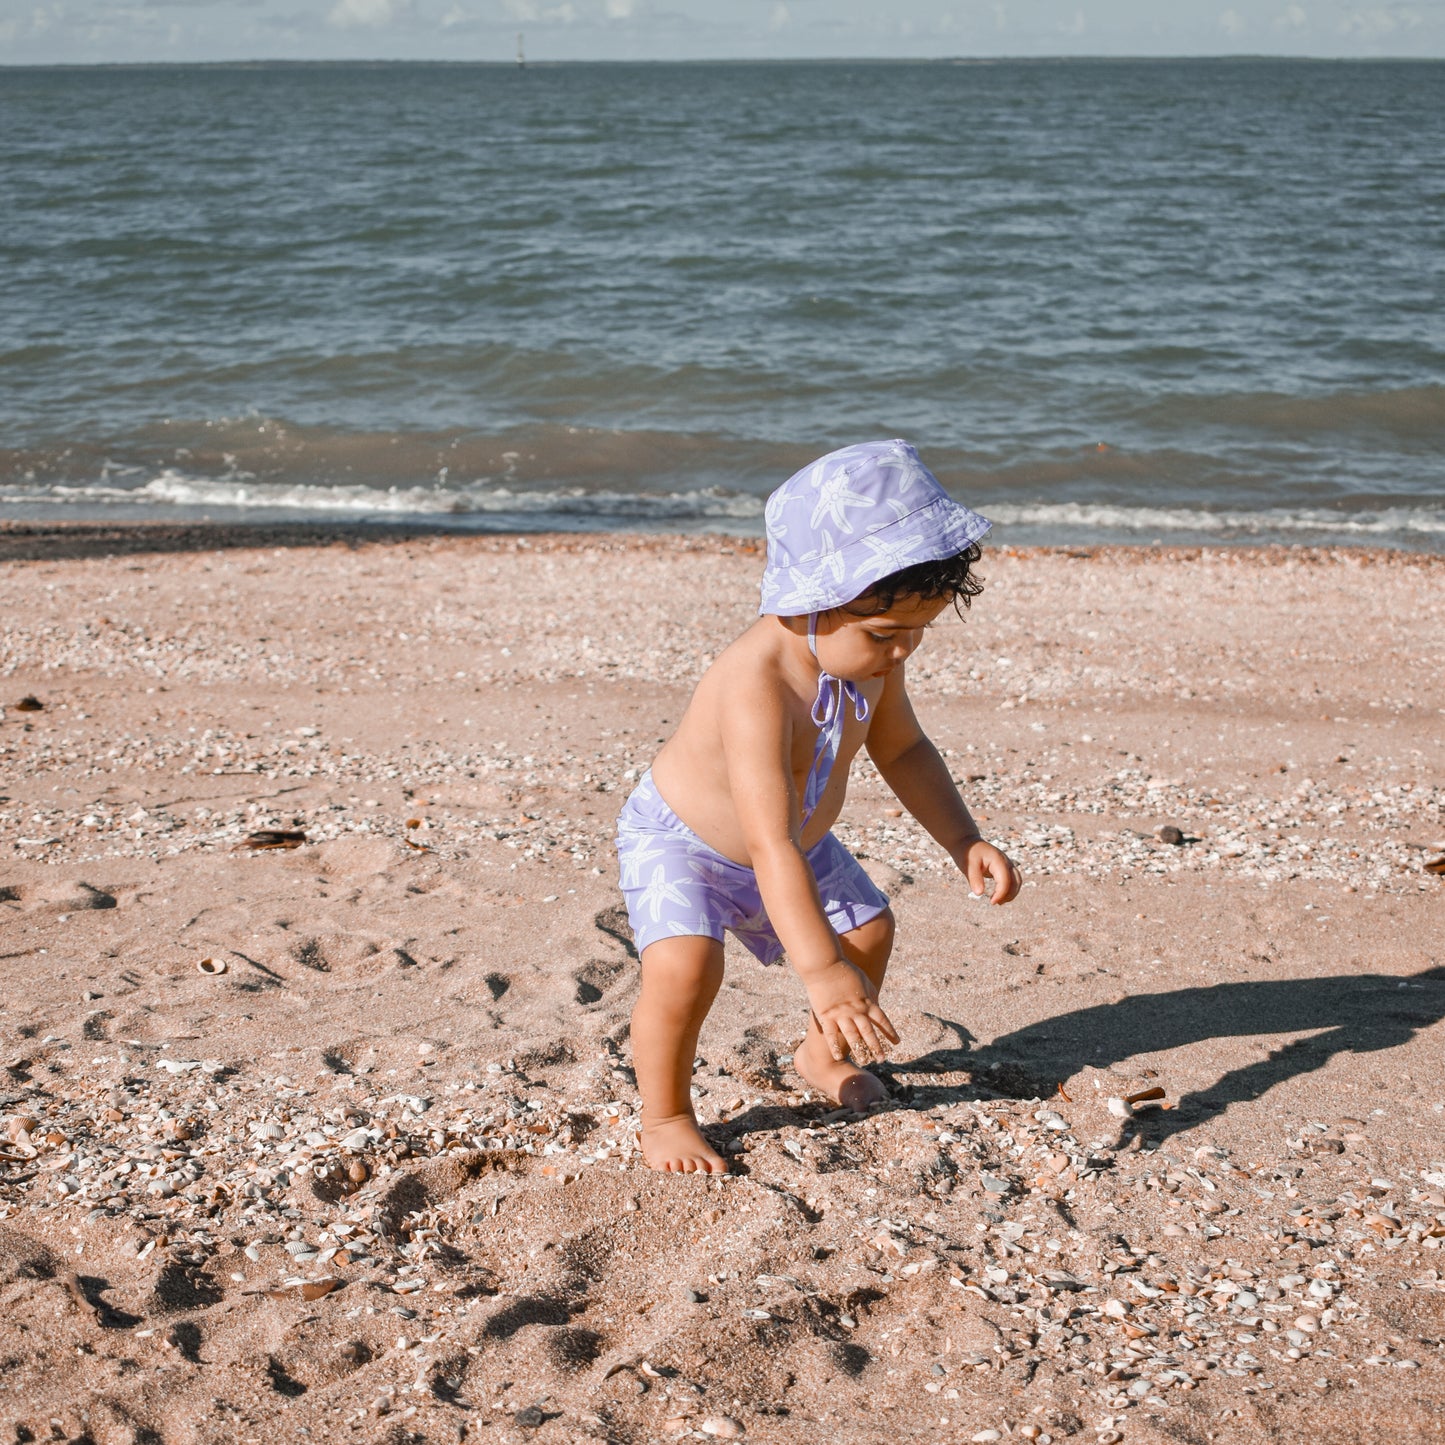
{"points": [[729, 829]]}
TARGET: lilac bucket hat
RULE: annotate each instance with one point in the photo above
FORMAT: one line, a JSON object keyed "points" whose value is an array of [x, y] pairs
{"points": [[851, 519]]}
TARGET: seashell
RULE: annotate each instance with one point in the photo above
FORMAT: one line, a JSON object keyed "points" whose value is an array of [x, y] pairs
{"points": [[273, 838], [311, 1289], [722, 1427], [211, 965]]}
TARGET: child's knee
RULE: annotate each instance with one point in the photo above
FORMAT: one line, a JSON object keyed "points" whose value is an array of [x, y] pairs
{"points": [[871, 942], [687, 967]]}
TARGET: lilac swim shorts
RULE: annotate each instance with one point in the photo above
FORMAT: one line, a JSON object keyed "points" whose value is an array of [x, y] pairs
{"points": [[675, 885]]}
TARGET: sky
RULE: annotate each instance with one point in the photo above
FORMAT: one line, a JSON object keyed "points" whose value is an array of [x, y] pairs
{"points": [[87, 31]]}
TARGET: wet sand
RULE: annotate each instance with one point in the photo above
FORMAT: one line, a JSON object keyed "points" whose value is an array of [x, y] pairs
{"points": [[370, 1175]]}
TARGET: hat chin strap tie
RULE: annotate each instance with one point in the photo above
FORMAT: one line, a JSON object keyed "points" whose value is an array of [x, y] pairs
{"points": [[828, 705]]}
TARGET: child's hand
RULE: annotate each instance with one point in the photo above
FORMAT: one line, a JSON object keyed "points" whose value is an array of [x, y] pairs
{"points": [[979, 861], [845, 1004]]}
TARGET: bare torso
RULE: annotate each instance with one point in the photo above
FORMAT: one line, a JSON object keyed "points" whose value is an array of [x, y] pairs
{"points": [[691, 771]]}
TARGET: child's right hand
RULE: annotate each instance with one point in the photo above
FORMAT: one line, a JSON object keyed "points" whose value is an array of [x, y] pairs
{"points": [[845, 1005]]}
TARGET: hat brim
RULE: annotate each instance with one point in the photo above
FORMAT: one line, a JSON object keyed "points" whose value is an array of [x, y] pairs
{"points": [[940, 528]]}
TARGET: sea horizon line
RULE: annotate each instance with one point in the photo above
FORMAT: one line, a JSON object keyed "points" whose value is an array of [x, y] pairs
{"points": [[364, 62]]}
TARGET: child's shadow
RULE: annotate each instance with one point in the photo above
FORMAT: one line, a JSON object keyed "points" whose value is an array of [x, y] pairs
{"points": [[1358, 1014]]}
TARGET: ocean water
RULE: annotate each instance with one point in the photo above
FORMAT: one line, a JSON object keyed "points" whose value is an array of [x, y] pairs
{"points": [[1192, 300]]}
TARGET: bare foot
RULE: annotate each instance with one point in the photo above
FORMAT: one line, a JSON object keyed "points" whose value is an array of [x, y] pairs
{"points": [[676, 1146], [839, 1079]]}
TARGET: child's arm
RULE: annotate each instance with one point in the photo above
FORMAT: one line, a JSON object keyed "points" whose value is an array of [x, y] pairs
{"points": [[757, 743], [910, 765]]}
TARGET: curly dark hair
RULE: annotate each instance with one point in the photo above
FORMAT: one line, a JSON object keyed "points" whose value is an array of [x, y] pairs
{"points": [[950, 577]]}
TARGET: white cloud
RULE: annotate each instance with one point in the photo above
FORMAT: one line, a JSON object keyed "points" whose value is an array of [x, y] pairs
{"points": [[780, 19], [346, 13], [1230, 22], [1076, 25], [620, 9], [1379, 21], [529, 11], [1294, 18]]}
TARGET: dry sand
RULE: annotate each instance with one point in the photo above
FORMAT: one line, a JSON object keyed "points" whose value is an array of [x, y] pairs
{"points": [[411, 1077]]}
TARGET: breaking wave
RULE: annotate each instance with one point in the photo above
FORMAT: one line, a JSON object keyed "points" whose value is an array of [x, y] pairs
{"points": [[489, 506]]}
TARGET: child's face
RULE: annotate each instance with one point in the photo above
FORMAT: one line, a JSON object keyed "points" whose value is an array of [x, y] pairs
{"points": [[856, 644]]}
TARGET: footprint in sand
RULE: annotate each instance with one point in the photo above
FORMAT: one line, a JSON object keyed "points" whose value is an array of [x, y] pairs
{"points": [[180, 1286], [356, 1057], [68, 895], [595, 979], [309, 955], [613, 922]]}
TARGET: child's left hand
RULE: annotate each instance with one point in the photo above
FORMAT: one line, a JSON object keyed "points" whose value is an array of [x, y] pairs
{"points": [[978, 860]]}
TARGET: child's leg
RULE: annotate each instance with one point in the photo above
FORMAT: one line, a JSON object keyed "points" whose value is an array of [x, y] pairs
{"points": [[867, 948], [680, 979]]}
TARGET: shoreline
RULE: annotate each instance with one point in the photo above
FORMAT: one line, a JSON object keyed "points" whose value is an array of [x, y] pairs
{"points": [[31, 541]]}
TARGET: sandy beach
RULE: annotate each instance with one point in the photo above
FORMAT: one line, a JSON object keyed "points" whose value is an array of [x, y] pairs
{"points": [[318, 1121]]}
